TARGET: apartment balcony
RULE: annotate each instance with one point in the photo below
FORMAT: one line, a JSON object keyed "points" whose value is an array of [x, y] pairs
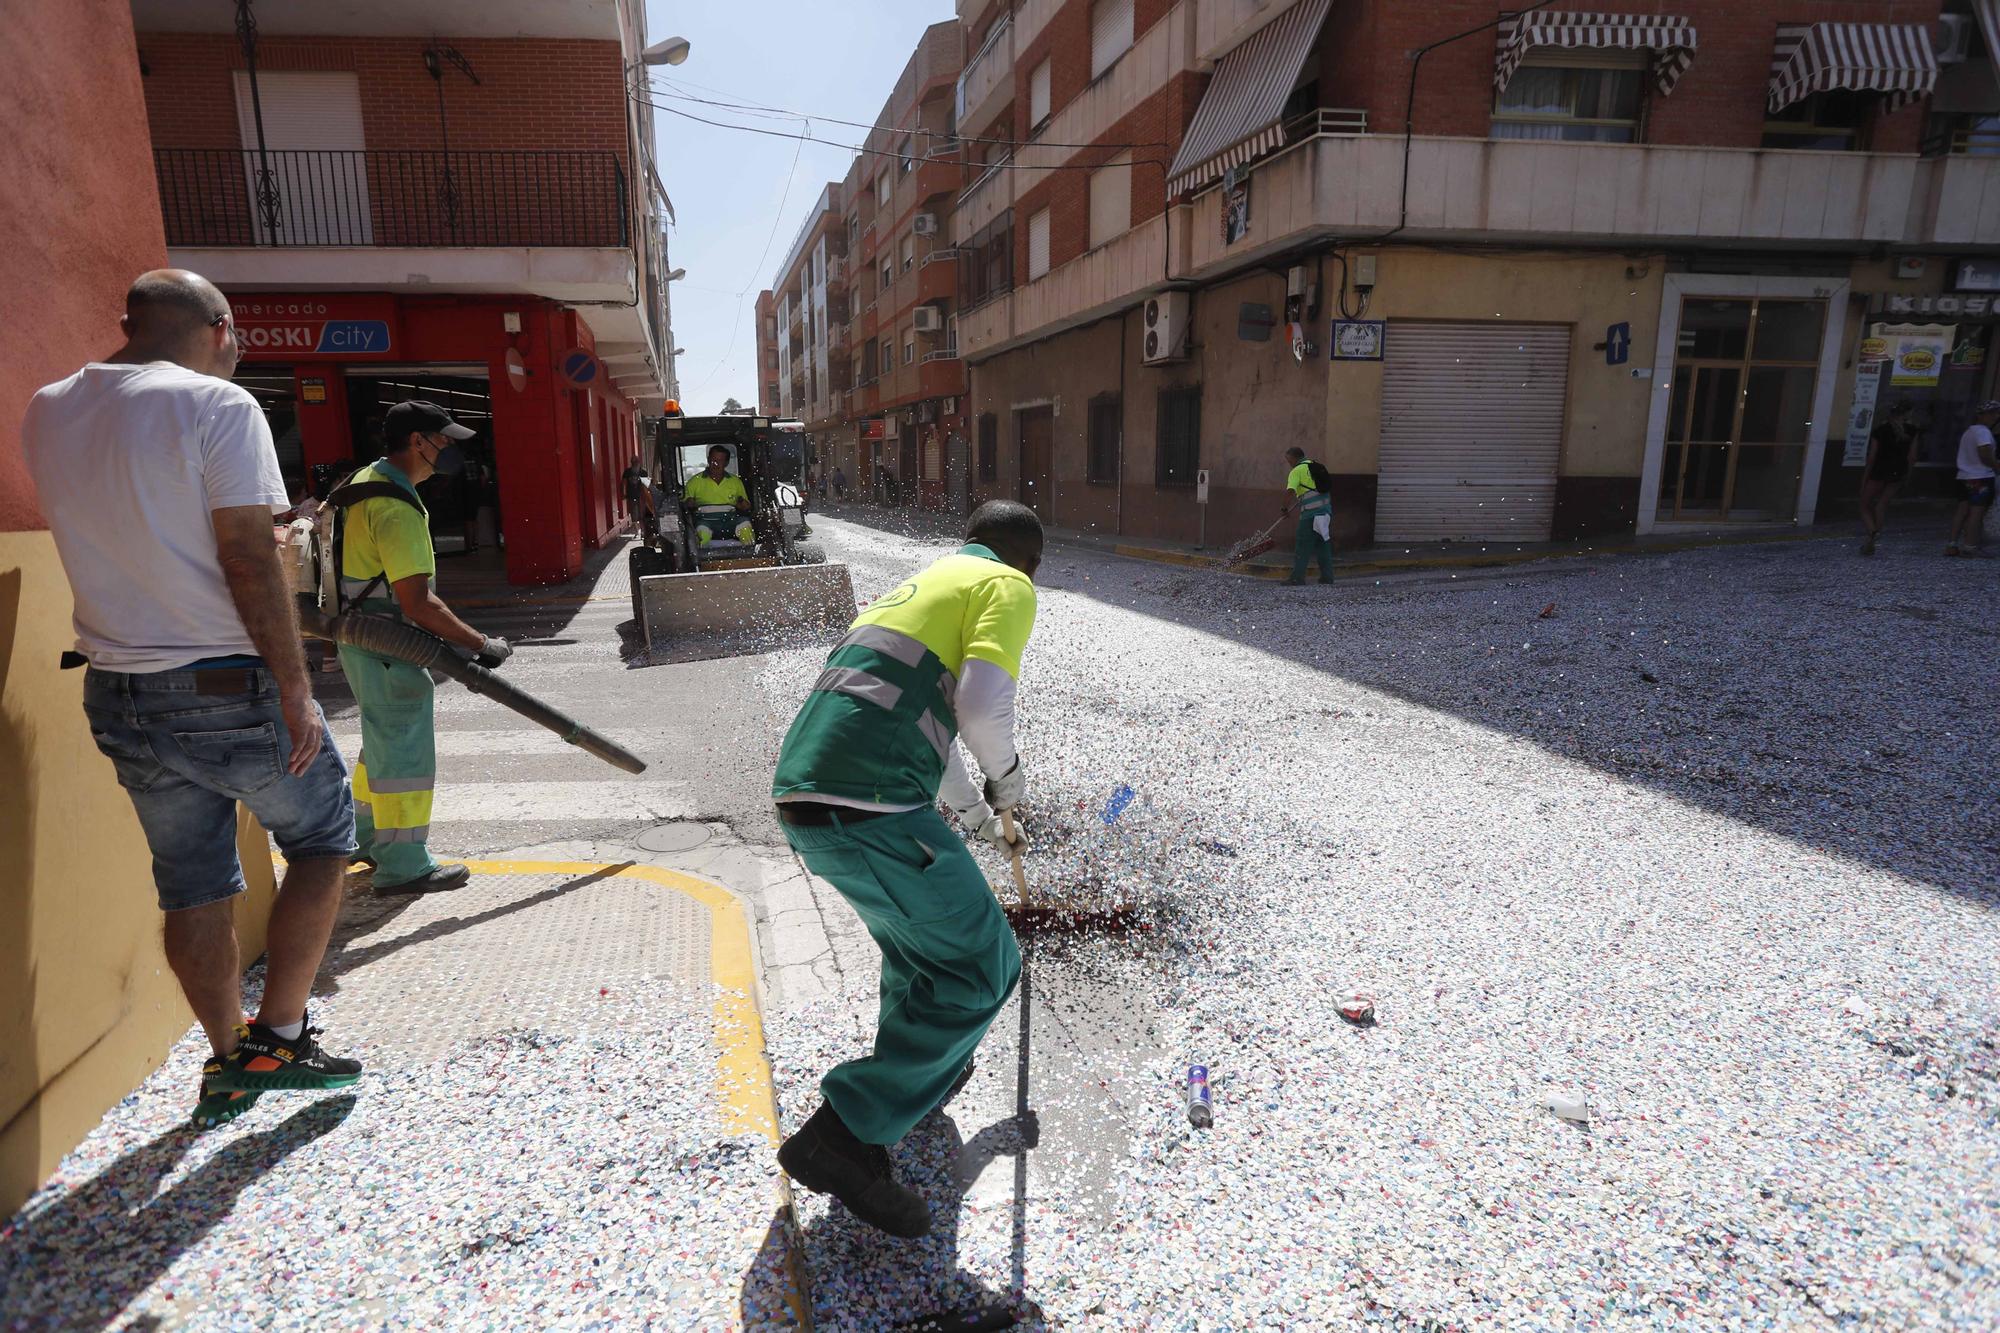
{"points": [[939, 176], [941, 374], [836, 273], [937, 276], [989, 195], [986, 85]]}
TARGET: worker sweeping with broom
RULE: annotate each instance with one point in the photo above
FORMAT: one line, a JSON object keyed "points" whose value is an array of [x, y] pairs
{"points": [[858, 781]]}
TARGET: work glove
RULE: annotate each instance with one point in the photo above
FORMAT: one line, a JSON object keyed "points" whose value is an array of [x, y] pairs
{"points": [[993, 829], [493, 652], [1005, 792]]}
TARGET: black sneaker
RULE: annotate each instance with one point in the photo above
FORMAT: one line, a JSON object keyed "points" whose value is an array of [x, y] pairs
{"points": [[266, 1062], [215, 1106], [826, 1158]]}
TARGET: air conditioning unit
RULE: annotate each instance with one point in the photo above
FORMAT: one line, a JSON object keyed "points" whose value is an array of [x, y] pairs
{"points": [[925, 224], [929, 319], [1166, 328], [1953, 42]]}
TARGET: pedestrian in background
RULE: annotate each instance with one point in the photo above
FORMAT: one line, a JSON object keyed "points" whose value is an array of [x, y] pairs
{"points": [[1975, 482], [1892, 448], [1313, 540], [839, 483], [159, 480]]}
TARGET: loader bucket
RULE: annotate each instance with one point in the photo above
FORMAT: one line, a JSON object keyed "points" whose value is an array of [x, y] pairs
{"points": [[744, 610]]}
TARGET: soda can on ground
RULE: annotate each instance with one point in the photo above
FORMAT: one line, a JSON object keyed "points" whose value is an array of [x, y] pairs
{"points": [[1358, 1009], [1201, 1111]]}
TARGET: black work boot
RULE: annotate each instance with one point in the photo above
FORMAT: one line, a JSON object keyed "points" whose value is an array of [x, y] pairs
{"points": [[826, 1158]]}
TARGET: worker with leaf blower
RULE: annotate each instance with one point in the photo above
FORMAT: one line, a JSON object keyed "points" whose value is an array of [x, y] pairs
{"points": [[1309, 488], [387, 566], [932, 663]]}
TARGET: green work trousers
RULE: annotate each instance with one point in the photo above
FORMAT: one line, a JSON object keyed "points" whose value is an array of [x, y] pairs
{"points": [[394, 778], [1308, 544], [949, 961]]}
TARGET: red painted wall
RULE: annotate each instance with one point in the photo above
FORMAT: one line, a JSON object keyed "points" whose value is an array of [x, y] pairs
{"points": [[78, 208]]}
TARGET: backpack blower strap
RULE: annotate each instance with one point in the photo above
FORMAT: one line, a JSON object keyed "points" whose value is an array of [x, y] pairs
{"points": [[343, 498]]}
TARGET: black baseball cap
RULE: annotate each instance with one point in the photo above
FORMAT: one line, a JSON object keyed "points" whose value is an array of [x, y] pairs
{"points": [[406, 419]]}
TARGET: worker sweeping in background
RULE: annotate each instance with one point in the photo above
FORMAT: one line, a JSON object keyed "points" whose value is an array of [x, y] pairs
{"points": [[386, 566], [719, 499], [1310, 491], [857, 787]]}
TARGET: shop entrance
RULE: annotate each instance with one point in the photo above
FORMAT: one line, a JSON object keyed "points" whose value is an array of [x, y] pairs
{"points": [[1738, 423], [276, 392], [465, 509]]}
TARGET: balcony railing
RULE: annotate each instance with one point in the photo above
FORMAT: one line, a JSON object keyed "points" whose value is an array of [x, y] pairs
{"points": [[1330, 120], [942, 354], [985, 72], [393, 197]]}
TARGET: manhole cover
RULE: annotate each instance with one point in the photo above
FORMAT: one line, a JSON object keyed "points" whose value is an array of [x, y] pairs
{"points": [[678, 836]]}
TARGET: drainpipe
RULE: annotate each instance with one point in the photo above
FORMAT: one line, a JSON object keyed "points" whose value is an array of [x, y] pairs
{"points": [[267, 185], [1410, 106]]}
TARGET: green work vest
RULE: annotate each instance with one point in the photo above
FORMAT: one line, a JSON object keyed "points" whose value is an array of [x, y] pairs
{"points": [[879, 722]]}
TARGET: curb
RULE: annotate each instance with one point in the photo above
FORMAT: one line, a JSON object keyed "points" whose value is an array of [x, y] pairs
{"points": [[743, 1085]]}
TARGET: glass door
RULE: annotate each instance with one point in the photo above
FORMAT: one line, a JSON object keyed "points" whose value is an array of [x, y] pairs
{"points": [[1744, 376]]}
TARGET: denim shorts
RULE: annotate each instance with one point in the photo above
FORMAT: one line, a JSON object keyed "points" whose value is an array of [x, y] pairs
{"points": [[187, 758]]}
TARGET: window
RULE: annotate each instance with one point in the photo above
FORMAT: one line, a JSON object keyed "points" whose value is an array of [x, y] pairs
{"points": [[909, 249], [853, 233], [909, 347], [987, 261], [1829, 120], [1180, 438], [989, 447], [888, 273], [1038, 245], [1111, 200], [1110, 33], [903, 151], [1107, 425], [884, 185], [1038, 97], [1589, 104]]}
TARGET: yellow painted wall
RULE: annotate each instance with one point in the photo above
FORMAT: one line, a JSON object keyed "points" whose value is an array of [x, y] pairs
{"points": [[1605, 430], [87, 1005]]}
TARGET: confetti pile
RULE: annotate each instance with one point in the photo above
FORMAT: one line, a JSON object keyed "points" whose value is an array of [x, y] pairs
{"points": [[527, 1180], [1680, 908]]}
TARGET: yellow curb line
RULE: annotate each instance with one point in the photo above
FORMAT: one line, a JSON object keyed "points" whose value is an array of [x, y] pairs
{"points": [[743, 1072]]}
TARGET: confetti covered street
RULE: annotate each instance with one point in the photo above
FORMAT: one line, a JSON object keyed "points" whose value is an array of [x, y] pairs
{"points": [[1673, 880]]}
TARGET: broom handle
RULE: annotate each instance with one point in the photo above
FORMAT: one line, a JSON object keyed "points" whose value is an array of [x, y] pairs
{"points": [[1014, 854]]}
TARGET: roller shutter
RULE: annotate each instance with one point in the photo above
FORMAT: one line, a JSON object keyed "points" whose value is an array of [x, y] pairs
{"points": [[1472, 426]]}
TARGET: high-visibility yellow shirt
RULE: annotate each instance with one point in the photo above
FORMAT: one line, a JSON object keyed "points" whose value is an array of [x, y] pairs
{"points": [[1300, 481], [705, 490], [384, 536], [969, 604]]}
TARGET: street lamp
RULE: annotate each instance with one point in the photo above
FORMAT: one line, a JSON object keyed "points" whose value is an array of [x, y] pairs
{"points": [[676, 275], [669, 51]]}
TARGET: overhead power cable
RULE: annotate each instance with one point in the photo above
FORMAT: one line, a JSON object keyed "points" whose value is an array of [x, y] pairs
{"points": [[757, 108]]}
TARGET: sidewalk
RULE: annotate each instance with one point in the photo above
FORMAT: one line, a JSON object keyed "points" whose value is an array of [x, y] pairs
{"points": [[566, 1119], [1402, 557]]}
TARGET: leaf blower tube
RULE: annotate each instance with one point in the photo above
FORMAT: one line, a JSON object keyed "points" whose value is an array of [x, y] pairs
{"points": [[407, 643]]}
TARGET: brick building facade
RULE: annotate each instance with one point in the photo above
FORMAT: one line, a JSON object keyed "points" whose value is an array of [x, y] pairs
{"points": [[467, 216]]}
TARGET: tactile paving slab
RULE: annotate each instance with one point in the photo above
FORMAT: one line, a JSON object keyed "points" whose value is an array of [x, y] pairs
{"points": [[505, 953]]}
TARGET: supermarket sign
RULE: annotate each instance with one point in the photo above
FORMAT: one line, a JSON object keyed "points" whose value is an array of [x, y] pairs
{"points": [[338, 328]]}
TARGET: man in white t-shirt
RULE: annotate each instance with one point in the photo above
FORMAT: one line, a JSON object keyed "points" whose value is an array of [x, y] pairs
{"points": [[1975, 482], [159, 481]]}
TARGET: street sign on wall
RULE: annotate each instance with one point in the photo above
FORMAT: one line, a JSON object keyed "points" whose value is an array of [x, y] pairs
{"points": [[337, 328], [580, 370]]}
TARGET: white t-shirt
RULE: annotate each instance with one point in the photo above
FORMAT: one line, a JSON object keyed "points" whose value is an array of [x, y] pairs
{"points": [[128, 461], [1969, 466]]}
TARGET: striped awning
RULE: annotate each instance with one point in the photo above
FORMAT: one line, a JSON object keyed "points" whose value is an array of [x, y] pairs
{"points": [[1238, 116], [1670, 39], [1892, 58]]}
